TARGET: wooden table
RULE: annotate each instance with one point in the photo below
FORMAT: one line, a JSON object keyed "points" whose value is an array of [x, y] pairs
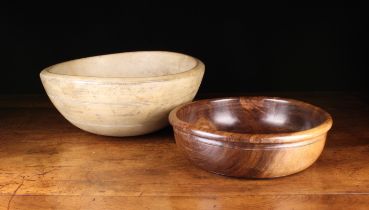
{"points": [[46, 163]]}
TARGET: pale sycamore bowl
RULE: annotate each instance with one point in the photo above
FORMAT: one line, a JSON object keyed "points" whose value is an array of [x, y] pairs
{"points": [[124, 94]]}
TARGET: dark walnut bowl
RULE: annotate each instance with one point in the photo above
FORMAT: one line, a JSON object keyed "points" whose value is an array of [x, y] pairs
{"points": [[255, 137]]}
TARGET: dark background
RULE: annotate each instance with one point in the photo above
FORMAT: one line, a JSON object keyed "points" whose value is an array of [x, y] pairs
{"points": [[244, 48]]}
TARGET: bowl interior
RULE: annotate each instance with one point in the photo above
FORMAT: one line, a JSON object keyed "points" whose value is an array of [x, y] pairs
{"points": [[252, 115], [131, 64]]}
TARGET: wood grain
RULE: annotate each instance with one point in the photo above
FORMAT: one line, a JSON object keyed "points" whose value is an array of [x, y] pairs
{"points": [[47, 163], [254, 137], [282, 202]]}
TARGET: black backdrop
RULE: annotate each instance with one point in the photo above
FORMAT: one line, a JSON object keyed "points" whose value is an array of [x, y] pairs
{"points": [[244, 48]]}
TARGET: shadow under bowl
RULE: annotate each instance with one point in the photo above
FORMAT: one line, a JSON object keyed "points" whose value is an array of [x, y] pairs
{"points": [[255, 137]]}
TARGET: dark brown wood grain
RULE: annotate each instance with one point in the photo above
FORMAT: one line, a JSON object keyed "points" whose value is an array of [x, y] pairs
{"points": [[47, 163], [257, 137]]}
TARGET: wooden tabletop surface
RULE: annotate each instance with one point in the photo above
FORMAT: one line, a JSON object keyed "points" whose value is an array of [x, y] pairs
{"points": [[46, 163]]}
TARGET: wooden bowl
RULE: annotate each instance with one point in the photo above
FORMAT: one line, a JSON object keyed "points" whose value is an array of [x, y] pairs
{"points": [[123, 94], [256, 137]]}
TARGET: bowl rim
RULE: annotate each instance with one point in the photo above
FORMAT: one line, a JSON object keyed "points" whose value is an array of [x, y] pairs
{"points": [[262, 138], [199, 66]]}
